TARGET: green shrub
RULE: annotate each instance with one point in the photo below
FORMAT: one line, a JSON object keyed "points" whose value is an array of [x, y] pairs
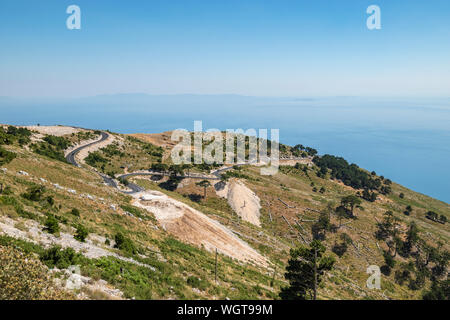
{"points": [[93, 158], [7, 191], [6, 156], [195, 282], [49, 150], [75, 212], [62, 220], [124, 244], [440, 290], [34, 193], [18, 132], [50, 200], [23, 277], [18, 207], [23, 141], [51, 225], [60, 143], [432, 215], [388, 259], [350, 174], [112, 150], [25, 246], [81, 233], [60, 258], [26, 214]]}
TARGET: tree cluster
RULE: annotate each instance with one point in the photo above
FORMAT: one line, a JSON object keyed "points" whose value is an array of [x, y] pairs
{"points": [[305, 271], [350, 174], [427, 261]]}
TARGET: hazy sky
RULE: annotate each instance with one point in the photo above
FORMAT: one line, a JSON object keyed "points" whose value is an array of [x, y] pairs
{"points": [[253, 47]]}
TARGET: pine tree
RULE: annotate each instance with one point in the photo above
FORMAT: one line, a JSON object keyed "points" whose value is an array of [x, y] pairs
{"points": [[350, 202], [204, 184], [305, 271]]}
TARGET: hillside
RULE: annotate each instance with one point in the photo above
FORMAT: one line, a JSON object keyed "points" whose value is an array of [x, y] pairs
{"points": [[141, 228]]}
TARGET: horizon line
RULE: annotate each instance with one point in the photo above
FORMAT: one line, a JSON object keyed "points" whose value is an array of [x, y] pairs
{"points": [[287, 96]]}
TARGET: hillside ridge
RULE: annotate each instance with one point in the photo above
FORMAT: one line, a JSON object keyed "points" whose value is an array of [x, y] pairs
{"points": [[125, 206]]}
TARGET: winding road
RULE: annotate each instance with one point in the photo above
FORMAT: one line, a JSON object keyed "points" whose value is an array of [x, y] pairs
{"points": [[134, 188], [71, 158], [71, 155]]}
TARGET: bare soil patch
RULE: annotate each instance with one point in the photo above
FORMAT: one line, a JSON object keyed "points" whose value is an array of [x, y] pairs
{"points": [[192, 226], [54, 130], [241, 199]]}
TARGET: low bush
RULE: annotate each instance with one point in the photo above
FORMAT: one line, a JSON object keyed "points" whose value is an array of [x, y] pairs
{"points": [[94, 158], [6, 156], [34, 193], [124, 244], [60, 258], [18, 207], [75, 212], [23, 277], [195, 282], [51, 225], [81, 233], [52, 147]]}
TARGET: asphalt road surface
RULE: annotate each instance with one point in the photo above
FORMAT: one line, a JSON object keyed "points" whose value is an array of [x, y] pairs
{"points": [[71, 156], [134, 187]]}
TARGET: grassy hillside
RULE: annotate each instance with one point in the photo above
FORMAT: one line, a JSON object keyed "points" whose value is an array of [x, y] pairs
{"points": [[46, 204]]}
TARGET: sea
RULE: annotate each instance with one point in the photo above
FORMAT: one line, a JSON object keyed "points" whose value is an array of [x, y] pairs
{"points": [[405, 139]]}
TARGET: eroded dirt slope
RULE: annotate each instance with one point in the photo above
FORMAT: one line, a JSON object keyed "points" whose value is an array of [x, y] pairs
{"points": [[244, 202], [194, 227]]}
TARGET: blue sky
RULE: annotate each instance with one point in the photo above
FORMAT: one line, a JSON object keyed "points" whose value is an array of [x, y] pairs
{"points": [[264, 47]]}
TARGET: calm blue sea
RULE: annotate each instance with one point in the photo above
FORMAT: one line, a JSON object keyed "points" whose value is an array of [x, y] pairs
{"points": [[406, 140]]}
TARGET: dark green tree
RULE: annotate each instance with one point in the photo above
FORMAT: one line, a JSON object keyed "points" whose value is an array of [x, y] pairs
{"points": [[387, 227], [159, 167], [305, 271], [412, 237], [432, 215], [81, 233], [34, 193], [204, 184], [125, 244], [75, 212], [341, 213], [51, 225], [350, 202], [341, 248], [408, 210], [440, 290], [175, 170], [6, 156], [403, 275], [322, 225]]}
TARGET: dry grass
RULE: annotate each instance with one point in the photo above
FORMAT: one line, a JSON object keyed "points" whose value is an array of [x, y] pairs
{"points": [[273, 239]]}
